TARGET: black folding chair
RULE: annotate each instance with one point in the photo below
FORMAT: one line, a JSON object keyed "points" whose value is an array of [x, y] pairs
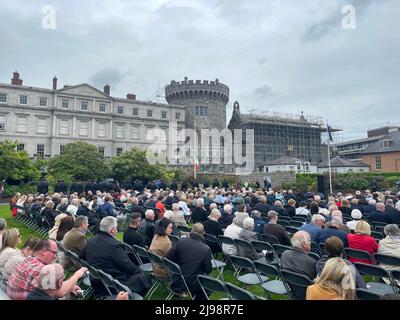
{"points": [[377, 235], [157, 259], [210, 285], [246, 246], [175, 271], [380, 229], [296, 224], [386, 259], [251, 277], [142, 253], [270, 255], [270, 238], [291, 230], [173, 238], [216, 264], [276, 286], [359, 254], [284, 218], [237, 293], [314, 255], [283, 223], [380, 287], [364, 294], [280, 248], [299, 218], [297, 283]]}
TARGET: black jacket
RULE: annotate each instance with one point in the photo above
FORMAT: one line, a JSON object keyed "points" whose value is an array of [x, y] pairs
{"points": [[199, 215], [262, 207], [226, 220], [278, 231], [379, 216], [134, 236], [194, 258]]}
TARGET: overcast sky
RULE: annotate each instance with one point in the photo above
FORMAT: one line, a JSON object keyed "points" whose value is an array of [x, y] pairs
{"points": [[275, 55]]}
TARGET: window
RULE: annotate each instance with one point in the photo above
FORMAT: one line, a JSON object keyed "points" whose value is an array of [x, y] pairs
{"points": [[83, 128], [298, 166], [178, 116], [23, 99], [43, 101], [101, 151], [164, 114], [163, 134], [102, 107], [64, 127], [3, 97], [307, 167], [386, 143], [41, 125], [149, 133], [22, 124], [64, 103], [119, 151], [84, 105], [135, 132], [101, 130], [120, 110], [62, 148], [2, 122], [40, 150], [120, 131], [135, 111], [201, 111], [21, 147], [149, 113], [378, 162]]}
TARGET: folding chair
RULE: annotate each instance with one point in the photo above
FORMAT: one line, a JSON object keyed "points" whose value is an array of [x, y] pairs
{"points": [[246, 246], [380, 229], [216, 264], [237, 293], [297, 283], [377, 235], [359, 254], [283, 223], [299, 218], [210, 285], [173, 238], [252, 277], [296, 224], [378, 224], [276, 286], [315, 248], [143, 254], [364, 294], [284, 218], [380, 288], [130, 251], [322, 249], [291, 230], [270, 238], [184, 229], [280, 248], [118, 286], [155, 258], [314, 255], [174, 270], [270, 257], [386, 259]]}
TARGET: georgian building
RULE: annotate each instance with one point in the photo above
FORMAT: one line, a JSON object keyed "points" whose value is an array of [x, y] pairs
{"points": [[44, 120]]}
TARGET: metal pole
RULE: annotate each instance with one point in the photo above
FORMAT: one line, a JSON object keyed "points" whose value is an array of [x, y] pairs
{"points": [[329, 162], [195, 150]]}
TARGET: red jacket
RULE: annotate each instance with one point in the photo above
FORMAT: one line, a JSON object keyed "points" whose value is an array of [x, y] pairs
{"points": [[362, 242]]}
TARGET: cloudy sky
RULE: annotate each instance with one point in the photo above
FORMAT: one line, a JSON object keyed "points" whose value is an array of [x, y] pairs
{"points": [[275, 55]]}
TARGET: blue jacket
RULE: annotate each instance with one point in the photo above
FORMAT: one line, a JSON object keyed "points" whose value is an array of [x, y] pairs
{"points": [[312, 229], [332, 231], [108, 208], [259, 225]]}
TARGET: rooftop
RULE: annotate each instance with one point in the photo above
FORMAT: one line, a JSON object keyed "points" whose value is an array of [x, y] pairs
{"points": [[388, 143], [338, 162]]}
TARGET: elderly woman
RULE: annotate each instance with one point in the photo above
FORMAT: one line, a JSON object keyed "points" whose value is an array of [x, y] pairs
{"points": [[11, 239], [357, 216], [233, 231], [49, 212], [73, 207], [390, 246], [248, 234], [63, 205], [362, 240]]}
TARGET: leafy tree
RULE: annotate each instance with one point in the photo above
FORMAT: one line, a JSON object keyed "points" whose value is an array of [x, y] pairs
{"points": [[16, 165], [80, 161], [133, 164]]}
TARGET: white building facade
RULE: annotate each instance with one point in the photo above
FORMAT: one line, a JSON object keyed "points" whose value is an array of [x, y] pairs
{"points": [[43, 121]]}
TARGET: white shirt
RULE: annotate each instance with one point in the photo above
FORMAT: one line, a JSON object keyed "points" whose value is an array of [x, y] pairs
{"points": [[231, 231], [302, 211]]}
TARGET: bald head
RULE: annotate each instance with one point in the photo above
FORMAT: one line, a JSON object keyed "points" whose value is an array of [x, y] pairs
{"points": [[198, 228]]}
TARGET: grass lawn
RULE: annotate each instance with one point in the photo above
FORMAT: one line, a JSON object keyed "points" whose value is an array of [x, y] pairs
{"points": [[161, 293]]}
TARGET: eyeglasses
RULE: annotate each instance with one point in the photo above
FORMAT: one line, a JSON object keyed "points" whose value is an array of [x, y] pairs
{"points": [[53, 252]]}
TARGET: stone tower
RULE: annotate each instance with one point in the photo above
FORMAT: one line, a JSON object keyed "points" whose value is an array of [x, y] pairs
{"points": [[205, 102]]}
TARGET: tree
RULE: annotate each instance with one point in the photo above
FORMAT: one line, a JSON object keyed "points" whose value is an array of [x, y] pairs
{"points": [[133, 164], [80, 161], [15, 164]]}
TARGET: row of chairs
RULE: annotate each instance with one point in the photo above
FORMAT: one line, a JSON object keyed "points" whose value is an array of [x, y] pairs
{"points": [[33, 220]]}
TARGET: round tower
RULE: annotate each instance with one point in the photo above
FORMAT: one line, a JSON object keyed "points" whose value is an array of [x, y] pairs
{"points": [[205, 102]]}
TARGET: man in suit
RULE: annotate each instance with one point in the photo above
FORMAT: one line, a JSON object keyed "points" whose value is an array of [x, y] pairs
{"points": [[193, 255], [379, 215], [132, 235], [105, 252], [334, 229], [75, 239]]}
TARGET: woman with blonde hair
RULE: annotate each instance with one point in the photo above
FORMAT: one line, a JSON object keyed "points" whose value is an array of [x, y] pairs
{"points": [[362, 240], [11, 239], [336, 282]]}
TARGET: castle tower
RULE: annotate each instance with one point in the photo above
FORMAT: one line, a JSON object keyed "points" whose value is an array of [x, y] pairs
{"points": [[205, 102]]}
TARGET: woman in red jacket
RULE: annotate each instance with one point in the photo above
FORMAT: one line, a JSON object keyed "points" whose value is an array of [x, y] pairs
{"points": [[362, 240]]}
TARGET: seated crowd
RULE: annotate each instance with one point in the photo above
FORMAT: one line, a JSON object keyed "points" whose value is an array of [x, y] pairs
{"points": [[158, 220]]}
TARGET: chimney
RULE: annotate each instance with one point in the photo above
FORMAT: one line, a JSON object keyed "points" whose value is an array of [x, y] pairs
{"points": [[131, 96], [16, 81], [107, 89], [55, 83]]}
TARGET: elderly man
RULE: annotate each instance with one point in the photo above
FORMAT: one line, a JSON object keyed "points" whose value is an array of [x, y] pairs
{"points": [[275, 229], [105, 252], [313, 228], [297, 259], [178, 217], [73, 207], [26, 277], [200, 213], [75, 239], [51, 282], [226, 216], [214, 228], [147, 226], [132, 235], [379, 215], [334, 229], [258, 221], [262, 206], [194, 258]]}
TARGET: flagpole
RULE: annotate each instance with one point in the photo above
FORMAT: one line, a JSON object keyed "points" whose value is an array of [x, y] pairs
{"points": [[195, 151], [329, 161]]}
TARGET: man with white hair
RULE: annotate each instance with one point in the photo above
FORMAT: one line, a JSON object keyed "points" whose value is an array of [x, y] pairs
{"points": [[73, 207], [105, 252], [262, 206], [314, 227], [389, 208], [371, 207], [147, 226], [178, 217], [334, 229], [379, 215], [200, 213], [226, 217], [297, 259]]}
